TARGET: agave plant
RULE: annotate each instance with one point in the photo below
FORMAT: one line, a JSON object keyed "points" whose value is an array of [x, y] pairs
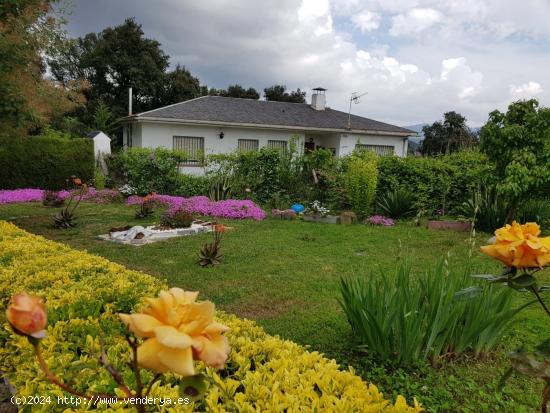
{"points": [[145, 209], [65, 218], [210, 253]]}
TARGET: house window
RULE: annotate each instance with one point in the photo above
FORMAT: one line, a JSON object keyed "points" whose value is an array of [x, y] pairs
{"points": [[248, 145], [193, 147], [281, 145], [382, 150]]}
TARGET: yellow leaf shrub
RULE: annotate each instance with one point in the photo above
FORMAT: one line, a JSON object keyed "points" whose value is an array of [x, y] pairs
{"points": [[84, 292]]}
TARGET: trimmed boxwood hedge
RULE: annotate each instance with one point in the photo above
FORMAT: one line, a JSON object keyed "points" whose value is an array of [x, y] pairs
{"points": [[44, 162]]}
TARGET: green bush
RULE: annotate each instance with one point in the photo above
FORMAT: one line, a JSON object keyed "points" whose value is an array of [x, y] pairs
{"points": [[360, 180], [442, 182], [147, 170], [192, 185], [260, 174], [44, 162], [398, 317]]}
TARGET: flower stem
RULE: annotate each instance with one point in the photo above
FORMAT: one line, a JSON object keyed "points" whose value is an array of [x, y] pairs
{"points": [[51, 376], [112, 371], [534, 290]]}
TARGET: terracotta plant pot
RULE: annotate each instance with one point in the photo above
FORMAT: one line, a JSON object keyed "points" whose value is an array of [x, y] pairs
{"points": [[461, 226]]}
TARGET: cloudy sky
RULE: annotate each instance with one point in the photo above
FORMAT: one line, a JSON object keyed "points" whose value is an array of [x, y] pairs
{"points": [[415, 58]]}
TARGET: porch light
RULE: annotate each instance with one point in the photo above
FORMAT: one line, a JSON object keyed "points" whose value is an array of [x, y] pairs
{"points": [[221, 135]]}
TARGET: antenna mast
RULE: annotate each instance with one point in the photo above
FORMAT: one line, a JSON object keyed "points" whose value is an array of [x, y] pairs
{"points": [[355, 98]]}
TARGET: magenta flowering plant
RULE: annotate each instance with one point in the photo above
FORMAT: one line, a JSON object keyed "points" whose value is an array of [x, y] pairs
{"points": [[380, 220], [11, 196], [201, 205]]}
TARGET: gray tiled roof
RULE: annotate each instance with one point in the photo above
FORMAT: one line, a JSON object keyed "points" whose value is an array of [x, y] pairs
{"points": [[261, 112]]}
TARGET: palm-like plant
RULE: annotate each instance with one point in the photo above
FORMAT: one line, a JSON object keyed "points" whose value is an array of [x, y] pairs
{"points": [[397, 204]]}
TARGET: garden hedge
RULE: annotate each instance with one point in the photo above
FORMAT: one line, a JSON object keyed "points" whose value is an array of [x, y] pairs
{"points": [[44, 162], [436, 182], [84, 292]]}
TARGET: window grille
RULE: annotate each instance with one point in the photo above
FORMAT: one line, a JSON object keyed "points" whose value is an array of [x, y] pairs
{"points": [[281, 145], [382, 150], [193, 147], [248, 145]]}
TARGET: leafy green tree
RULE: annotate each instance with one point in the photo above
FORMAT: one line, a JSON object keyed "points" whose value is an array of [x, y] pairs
{"points": [[112, 61], [450, 135], [279, 93], [104, 120], [236, 91], [178, 85], [518, 142], [28, 31]]}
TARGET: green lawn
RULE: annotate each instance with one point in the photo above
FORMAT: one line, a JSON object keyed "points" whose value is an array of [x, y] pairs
{"points": [[285, 275]]}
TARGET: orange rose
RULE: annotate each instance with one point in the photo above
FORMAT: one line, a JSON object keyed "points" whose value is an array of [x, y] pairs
{"points": [[77, 181], [27, 315], [520, 246], [178, 330]]}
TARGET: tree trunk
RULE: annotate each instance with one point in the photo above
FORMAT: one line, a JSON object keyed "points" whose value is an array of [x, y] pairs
{"points": [[511, 215]]}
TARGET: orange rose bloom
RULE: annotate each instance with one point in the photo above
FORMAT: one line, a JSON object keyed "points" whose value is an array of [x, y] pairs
{"points": [[27, 315], [77, 181], [178, 330], [520, 246]]}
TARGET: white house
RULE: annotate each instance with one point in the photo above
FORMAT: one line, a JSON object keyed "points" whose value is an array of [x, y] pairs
{"points": [[214, 125]]}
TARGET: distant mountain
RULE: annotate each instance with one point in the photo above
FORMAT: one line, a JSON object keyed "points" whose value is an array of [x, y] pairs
{"points": [[418, 129]]}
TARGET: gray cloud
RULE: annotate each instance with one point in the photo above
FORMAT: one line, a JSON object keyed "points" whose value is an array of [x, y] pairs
{"points": [[470, 56]]}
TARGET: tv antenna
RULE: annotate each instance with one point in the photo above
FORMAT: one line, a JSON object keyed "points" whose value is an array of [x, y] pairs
{"points": [[355, 98]]}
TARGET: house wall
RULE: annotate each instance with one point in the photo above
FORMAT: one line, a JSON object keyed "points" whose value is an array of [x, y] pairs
{"points": [[154, 135], [349, 140]]}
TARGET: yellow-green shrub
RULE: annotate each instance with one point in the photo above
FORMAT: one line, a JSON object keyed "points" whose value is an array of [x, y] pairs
{"points": [[360, 180], [84, 292]]}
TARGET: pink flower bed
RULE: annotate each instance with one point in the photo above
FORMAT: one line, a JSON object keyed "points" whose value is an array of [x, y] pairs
{"points": [[380, 220], [11, 196], [231, 208]]}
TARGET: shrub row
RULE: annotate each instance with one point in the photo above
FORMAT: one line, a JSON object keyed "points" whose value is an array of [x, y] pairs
{"points": [[277, 179], [83, 294], [442, 182], [44, 162]]}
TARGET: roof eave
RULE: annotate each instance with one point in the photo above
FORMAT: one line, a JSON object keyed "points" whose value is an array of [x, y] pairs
{"points": [[263, 126]]}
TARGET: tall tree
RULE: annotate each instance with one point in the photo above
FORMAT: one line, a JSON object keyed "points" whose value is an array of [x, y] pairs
{"points": [[112, 61], [178, 85], [29, 30], [518, 142], [279, 93], [448, 136]]}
